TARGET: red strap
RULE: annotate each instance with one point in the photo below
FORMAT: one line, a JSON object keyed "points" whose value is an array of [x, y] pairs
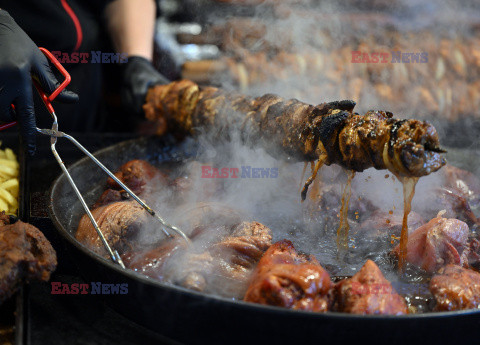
{"points": [[76, 22]]}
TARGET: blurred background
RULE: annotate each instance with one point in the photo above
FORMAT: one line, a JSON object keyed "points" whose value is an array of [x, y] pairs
{"points": [[305, 49]]}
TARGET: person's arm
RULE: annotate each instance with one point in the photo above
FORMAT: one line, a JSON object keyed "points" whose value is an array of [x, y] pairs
{"points": [[131, 24]]}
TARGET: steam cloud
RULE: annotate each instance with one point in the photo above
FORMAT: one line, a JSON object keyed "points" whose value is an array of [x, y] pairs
{"points": [[275, 202]]}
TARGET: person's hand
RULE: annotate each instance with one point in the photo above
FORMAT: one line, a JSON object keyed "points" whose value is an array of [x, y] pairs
{"points": [[138, 76], [20, 61]]}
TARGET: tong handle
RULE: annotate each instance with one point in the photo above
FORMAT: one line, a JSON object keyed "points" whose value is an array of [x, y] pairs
{"points": [[47, 100]]}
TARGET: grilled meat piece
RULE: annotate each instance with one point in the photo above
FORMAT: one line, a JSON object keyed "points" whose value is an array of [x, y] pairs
{"points": [[152, 262], [441, 241], [226, 265], [25, 255], [288, 279], [456, 288], [299, 130], [136, 175], [119, 222], [368, 292]]}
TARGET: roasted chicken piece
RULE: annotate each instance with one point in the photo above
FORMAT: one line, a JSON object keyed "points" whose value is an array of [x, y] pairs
{"points": [[456, 288], [119, 221], [368, 292], [25, 255], [224, 266], [286, 278], [331, 131], [439, 242]]}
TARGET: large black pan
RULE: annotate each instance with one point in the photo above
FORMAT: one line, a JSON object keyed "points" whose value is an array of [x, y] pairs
{"points": [[197, 318]]}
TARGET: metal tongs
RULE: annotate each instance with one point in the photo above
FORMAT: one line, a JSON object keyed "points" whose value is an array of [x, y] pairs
{"points": [[54, 133]]}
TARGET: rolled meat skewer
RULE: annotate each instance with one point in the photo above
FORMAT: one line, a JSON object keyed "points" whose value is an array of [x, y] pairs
{"points": [[330, 132]]}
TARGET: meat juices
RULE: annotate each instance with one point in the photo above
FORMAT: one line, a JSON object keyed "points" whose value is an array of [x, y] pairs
{"points": [[381, 222], [288, 279], [25, 254], [368, 292], [439, 242], [119, 222], [456, 288]]}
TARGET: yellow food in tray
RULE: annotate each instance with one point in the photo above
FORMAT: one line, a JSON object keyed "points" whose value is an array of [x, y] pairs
{"points": [[9, 184]]}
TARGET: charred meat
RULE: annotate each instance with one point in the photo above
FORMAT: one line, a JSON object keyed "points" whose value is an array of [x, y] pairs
{"points": [[286, 278], [456, 288], [299, 130], [25, 255], [368, 292]]}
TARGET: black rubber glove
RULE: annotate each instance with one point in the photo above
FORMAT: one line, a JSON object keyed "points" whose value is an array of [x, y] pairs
{"points": [[138, 76], [20, 61]]}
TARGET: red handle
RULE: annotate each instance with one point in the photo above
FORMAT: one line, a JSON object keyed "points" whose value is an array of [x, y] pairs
{"points": [[46, 99], [7, 125]]}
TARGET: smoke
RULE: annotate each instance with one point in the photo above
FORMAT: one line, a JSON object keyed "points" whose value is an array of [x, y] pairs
{"points": [[434, 89]]}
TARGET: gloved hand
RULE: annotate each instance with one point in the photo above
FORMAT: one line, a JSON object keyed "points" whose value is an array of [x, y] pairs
{"points": [[138, 76], [20, 61]]}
